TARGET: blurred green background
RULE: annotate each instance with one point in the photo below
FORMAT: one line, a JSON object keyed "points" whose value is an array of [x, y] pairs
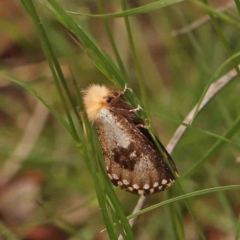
{"points": [[46, 190]]}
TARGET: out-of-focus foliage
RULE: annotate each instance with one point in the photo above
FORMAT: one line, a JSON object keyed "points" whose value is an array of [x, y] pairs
{"points": [[46, 190]]}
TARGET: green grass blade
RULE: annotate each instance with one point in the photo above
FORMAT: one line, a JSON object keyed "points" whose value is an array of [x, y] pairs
{"points": [[207, 156], [134, 11], [117, 206], [222, 196], [214, 76], [190, 210], [185, 196], [199, 130], [112, 41], [135, 59], [216, 13], [238, 5], [53, 63], [100, 192], [119, 212], [27, 87], [218, 30], [176, 221], [102, 61]]}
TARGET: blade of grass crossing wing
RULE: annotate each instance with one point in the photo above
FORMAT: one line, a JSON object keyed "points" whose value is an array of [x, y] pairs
{"points": [[116, 205], [100, 192]]}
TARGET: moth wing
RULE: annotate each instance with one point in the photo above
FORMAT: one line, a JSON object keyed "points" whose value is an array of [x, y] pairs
{"points": [[132, 161], [124, 110]]}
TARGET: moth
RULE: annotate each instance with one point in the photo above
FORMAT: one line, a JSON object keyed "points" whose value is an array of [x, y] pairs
{"points": [[132, 158]]}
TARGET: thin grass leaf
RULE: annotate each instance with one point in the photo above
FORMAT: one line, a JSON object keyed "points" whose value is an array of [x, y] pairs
{"points": [[238, 5], [177, 224], [214, 76], [100, 192], [219, 32], [185, 196], [158, 5], [117, 207], [27, 87], [222, 196], [108, 67], [199, 130], [134, 11], [135, 59], [190, 210], [216, 13], [102, 61], [207, 156], [53, 62], [112, 41]]}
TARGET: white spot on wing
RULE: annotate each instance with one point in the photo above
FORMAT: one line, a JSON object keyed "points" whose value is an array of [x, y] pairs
{"points": [[155, 184], [135, 186], [146, 186], [133, 154], [115, 176], [164, 181], [119, 183], [126, 182]]}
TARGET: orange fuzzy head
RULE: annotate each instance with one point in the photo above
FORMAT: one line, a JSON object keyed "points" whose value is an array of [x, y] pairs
{"points": [[96, 97]]}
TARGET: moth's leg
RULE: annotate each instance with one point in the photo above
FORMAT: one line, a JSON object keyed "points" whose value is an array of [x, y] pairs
{"points": [[136, 109], [120, 93], [148, 120], [142, 126], [126, 88]]}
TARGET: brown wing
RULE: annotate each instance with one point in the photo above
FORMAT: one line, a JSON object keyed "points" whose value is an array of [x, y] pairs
{"points": [[132, 161], [122, 108]]}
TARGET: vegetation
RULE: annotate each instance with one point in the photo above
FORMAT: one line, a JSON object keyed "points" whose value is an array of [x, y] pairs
{"points": [[52, 179]]}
